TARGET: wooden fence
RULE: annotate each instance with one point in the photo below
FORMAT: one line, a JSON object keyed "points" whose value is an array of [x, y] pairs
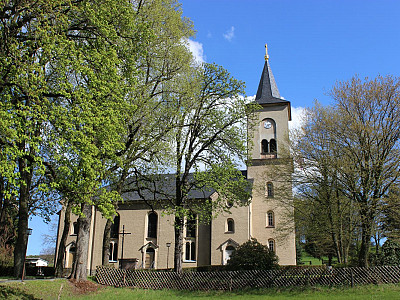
{"points": [[233, 280]]}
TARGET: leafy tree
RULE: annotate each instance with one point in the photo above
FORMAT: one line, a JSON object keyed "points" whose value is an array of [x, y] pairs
{"points": [[28, 32], [164, 59], [66, 69], [253, 255], [356, 143], [208, 139]]}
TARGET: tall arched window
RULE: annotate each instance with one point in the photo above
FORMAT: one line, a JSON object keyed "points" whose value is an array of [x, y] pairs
{"points": [[190, 251], [270, 190], [264, 146], [271, 245], [230, 225], [272, 146], [113, 255], [270, 219], [114, 231], [152, 225], [191, 226]]}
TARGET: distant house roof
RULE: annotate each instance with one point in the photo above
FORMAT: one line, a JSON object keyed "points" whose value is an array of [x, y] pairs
{"points": [[163, 187], [37, 261]]}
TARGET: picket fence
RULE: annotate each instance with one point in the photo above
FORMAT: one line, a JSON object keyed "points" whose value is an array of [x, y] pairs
{"points": [[236, 280]]}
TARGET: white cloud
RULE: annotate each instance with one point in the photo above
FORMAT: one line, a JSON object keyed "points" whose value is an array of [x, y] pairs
{"points": [[297, 118], [230, 34], [197, 50]]}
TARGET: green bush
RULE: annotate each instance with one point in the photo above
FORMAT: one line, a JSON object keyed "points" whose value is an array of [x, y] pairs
{"points": [[252, 255], [390, 253]]}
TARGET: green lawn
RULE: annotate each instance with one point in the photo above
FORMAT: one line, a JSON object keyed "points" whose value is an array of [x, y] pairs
{"points": [[306, 258], [42, 289]]}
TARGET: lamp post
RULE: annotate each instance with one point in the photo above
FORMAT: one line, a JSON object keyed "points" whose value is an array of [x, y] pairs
{"points": [[168, 245], [28, 233]]}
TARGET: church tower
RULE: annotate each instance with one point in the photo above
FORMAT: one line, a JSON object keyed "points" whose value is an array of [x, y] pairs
{"points": [[271, 212]]}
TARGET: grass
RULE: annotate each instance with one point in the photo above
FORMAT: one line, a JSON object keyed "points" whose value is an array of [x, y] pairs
{"points": [[51, 289], [305, 258]]}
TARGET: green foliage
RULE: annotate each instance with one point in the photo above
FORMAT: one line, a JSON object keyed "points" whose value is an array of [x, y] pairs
{"points": [[390, 253], [209, 139], [348, 161], [253, 255]]}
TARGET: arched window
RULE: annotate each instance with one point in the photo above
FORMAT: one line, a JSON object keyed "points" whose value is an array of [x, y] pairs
{"points": [[272, 146], [270, 190], [271, 245], [113, 255], [190, 251], [114, 231], [230, 225], [187, 251], [191, 226], [152, 225], [264, 146], [270, 219], [74, 228]]}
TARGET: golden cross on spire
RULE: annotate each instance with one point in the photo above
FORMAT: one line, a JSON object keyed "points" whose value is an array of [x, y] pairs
{"points": [[266, 52]]}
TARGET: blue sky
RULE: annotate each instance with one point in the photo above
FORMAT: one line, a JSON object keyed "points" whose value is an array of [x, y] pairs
{"points": [[311, 45]]}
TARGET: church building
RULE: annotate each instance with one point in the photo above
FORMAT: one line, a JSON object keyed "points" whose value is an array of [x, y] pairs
{"points": [[142, 238]]}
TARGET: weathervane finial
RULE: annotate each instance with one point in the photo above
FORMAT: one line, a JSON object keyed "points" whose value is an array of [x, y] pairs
{"points": [[266, 52]]}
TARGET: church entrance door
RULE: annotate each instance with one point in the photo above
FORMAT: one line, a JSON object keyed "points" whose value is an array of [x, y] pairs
{"points": [[228, 252], [149, 258]]}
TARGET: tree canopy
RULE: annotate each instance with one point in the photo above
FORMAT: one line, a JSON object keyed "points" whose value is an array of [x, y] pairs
{"points": [[348, 160]]}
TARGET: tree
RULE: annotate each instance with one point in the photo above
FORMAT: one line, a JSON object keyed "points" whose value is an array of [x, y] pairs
{"points": [[66, 71], [90, 133], [356, 142], [208, 139], [252, 255], [28, 32], [164, 59]]}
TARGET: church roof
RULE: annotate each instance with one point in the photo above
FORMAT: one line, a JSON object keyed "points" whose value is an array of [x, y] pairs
{"points": [[162, 186]]}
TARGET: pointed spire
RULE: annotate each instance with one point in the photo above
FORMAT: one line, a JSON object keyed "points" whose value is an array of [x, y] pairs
{"points": [[267, 89], [268, 92]]}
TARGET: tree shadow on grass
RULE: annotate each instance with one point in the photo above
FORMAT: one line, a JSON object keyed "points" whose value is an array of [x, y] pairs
{"points": [[7, 292]]}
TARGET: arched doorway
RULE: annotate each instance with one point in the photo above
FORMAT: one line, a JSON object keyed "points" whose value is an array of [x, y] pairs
{"points": [[228, 252], [70, 255], [150, 255]]}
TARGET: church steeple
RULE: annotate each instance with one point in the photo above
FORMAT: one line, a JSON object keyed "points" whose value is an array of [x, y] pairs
{"points": [[267, 92]]}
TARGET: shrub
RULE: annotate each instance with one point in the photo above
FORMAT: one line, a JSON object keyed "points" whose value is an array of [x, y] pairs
{"points": [[253, 255], [390, 253]]}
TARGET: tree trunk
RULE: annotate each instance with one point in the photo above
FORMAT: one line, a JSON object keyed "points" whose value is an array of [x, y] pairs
{"points": [[365, 242], [61, 246], [79, 269], [23, 214], [7, 215], [178, 244], [106, 243]]}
